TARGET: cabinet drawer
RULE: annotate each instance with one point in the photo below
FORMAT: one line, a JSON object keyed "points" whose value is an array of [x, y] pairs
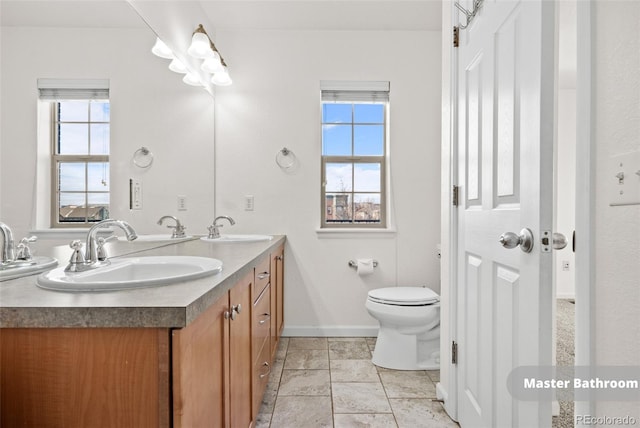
{"points": [[261, 371], [261, 322], [263, 276]]}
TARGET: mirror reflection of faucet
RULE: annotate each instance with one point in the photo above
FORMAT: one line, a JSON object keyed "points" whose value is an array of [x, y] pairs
{"points": [[214, 229], [15, 255], [178, 229]]}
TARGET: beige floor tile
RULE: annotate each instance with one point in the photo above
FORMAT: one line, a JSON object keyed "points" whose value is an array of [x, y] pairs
{"points": [[300, 411], [349, 350], [407, 384], [281, 351], [380, 420], [305, 382], [434, 375], [371, 342], [307, 343], [306, 359], [352, 397], [353, 371], [420, 412]]}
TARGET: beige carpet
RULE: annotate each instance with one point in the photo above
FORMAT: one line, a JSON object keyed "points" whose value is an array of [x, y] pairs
{"points": [[565, 354]]}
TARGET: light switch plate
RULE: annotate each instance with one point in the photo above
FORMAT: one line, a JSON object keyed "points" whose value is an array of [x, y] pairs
{"points": [[135, 189], [623, 176]]}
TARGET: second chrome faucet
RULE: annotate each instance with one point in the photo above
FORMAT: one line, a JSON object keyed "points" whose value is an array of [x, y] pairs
{"points": [[214, 229], [178, 229]]}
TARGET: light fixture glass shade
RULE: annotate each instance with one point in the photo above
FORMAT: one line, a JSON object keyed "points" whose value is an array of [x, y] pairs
{"points": [[222, 78], [192, 79], [200, 46], [178, 66], [161, 50], [212, 65]]}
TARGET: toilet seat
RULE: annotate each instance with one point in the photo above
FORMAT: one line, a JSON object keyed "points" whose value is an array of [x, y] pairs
{"points": [[404, 296]]}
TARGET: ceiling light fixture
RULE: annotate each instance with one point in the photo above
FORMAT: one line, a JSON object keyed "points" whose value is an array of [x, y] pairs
{"points": [[201, 49], [161, 50]]}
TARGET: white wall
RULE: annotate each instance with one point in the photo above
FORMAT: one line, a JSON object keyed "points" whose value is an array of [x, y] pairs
{"points": [[617, 229], [150, 106], [274, 103]]}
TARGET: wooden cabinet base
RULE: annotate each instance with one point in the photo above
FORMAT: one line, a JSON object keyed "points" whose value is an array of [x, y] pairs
{"points": [[84, 377]]}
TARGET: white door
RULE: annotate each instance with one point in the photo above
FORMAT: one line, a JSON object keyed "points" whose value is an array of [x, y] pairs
{"points": [[505, 173]]}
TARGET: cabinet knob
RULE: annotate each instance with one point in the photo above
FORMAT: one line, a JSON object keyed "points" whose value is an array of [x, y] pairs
{"points": [[263, 375], [266, 316]]}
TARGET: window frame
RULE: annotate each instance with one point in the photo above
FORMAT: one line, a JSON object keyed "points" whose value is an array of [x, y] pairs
{"points": [[57, 159], [354, 160]]}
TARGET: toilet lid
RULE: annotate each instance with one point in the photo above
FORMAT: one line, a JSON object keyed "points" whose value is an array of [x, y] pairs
{"points": [[404, 296]]}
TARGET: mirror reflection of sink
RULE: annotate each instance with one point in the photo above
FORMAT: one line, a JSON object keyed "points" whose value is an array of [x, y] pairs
{"points": [[238, 238], [155, 238], [131, 272], [17, 270]]}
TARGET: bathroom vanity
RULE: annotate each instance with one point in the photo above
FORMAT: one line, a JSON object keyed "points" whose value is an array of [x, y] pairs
{"points": [[193, 354]]}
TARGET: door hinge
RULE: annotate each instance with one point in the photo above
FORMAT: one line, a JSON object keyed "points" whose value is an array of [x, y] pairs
{"points": [[456, 36], [454, 195], [454, 352]]}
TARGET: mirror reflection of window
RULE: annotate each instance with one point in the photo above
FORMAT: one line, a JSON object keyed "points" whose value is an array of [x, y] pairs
{"points": [[80, 120]]}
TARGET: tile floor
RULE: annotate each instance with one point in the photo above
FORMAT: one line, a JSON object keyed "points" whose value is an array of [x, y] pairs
{"points": [[331, 382]]}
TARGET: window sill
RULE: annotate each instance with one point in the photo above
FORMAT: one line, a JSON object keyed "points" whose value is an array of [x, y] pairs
{"points": [[346, 233]]}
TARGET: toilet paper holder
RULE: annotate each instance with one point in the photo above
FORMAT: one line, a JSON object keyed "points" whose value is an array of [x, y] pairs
{"points": [[354, 264]]}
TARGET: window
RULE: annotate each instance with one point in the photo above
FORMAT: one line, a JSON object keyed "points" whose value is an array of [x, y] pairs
{"points": [[354, 146], [80, 122]]}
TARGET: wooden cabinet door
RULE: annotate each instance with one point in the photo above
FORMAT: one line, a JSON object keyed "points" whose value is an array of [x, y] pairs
{"points": [[240, 354], [200, 355], [84, 377]]}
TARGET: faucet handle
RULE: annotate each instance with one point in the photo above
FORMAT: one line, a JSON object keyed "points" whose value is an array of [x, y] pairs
{"points": [[100, 249], [178, 231], [214, 233], [77, 257], [23, 252]]}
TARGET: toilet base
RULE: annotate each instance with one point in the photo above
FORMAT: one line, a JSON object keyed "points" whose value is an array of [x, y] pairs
{"points": [[399, 351]]}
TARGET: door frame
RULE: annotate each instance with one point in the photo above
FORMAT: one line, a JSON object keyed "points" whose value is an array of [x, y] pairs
{"points": [[585, 203]]}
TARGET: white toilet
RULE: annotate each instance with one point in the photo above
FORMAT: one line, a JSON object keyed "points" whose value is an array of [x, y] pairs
{"points": [[409, 335]]}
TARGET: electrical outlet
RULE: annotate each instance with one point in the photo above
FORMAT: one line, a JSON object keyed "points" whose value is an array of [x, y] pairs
{"points": [[248, 202], [565, 265], [182, 203]]}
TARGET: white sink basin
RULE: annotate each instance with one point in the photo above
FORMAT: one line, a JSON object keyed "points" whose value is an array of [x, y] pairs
{"points": [[154, 238], [239, 238], [131, 272], [13, 271]]}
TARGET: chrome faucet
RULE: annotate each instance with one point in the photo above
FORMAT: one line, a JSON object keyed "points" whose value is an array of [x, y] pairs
{"points": [[8, 249], [178, 229], [95, 255], [214, 229]]}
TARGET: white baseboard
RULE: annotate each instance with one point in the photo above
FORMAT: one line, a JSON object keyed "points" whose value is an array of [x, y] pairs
{"points": [[566, 296], [330, 331]]}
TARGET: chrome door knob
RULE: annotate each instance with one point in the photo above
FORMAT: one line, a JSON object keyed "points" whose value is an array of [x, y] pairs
{"points": [[524, 240]]}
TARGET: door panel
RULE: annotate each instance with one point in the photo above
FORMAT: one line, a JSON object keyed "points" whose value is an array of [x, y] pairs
{"points": [[505, 141]]}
